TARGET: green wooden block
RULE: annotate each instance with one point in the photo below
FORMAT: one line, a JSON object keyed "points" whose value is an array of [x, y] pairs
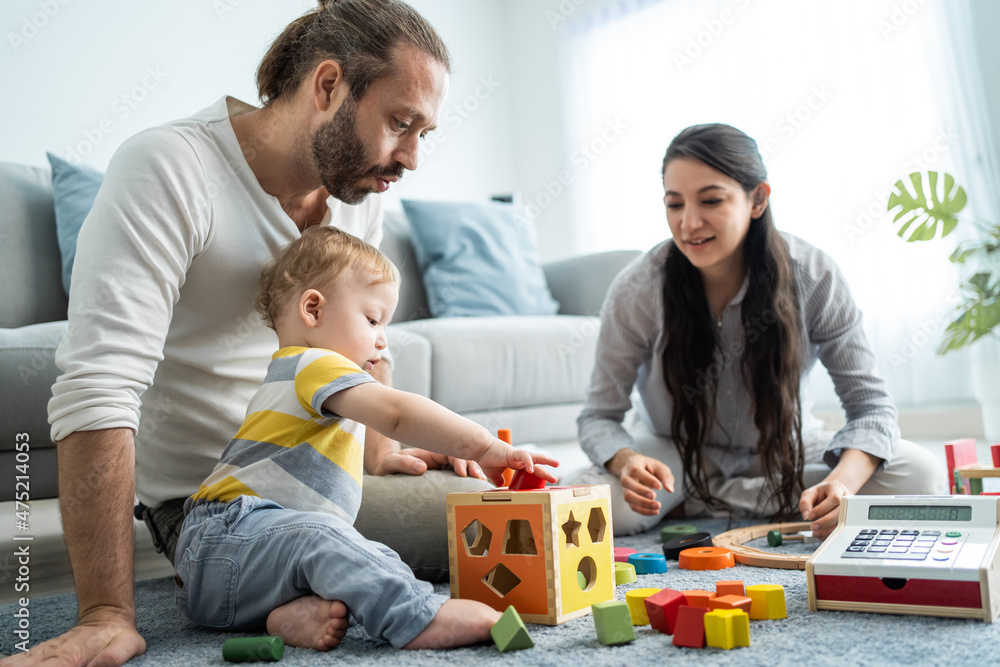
{"points": [[613, 622], [975, 486], [509, 633], [679, 530], [253, 649]]}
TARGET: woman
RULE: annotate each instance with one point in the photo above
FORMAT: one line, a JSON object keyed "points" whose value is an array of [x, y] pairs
{"points": [[718, 329]]}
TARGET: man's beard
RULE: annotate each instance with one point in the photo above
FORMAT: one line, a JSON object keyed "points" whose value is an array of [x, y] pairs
{"points": [[341, 159]]}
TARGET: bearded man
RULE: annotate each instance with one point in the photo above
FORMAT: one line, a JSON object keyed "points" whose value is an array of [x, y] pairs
{"points": [[164, 348]]}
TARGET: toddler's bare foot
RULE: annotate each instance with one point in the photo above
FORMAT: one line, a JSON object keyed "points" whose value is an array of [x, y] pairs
{"points": [[310, 622], [457, 623]]}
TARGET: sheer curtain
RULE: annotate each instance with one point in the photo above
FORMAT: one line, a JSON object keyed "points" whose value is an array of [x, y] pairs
{"points": [[843, 100]]}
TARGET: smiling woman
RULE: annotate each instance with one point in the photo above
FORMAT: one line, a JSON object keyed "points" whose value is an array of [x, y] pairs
{"points": [[717, 328]]}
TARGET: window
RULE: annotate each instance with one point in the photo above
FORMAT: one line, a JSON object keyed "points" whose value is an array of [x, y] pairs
{"points": [[840, 97]]}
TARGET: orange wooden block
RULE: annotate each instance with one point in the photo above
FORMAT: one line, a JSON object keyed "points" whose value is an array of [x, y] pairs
{"points": [[731, 602], [698, 598], [730, 588], [689, 630], [706, 558]]}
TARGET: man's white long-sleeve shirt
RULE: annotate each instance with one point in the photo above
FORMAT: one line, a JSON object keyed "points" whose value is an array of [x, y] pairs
{"points": [[163, 337]]}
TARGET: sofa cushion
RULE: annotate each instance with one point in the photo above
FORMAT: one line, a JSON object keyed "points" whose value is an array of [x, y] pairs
{"points": [[495, 363], [397, 245], [477, 259], [74, 188], [28, 367], [29, 252]]}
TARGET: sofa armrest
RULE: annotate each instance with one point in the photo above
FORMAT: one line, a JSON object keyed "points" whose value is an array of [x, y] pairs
{"points": [[28, 367], [579, 284]]}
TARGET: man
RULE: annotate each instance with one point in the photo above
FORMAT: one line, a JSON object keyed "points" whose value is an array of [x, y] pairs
{"points": [[163, 349]]}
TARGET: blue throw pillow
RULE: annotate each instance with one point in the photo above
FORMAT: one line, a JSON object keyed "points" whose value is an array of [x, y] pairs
{"points": [[477, 259], [74, 187]]}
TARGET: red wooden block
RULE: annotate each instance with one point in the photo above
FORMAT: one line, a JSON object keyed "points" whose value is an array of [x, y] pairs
{"points": [[730, 602], [525, 481], [698, 598], [662, 609], [958, 453], [730, 588], [689, 630]]}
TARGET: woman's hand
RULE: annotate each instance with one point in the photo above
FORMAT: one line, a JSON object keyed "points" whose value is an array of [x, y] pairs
{"points": [[641, 477], [821, 505]]}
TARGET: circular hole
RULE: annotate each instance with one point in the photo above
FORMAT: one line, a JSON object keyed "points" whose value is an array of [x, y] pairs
{"points": [[586, 573]]}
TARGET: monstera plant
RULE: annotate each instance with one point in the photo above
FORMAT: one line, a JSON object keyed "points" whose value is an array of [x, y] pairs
{"points": [[930, 208]]}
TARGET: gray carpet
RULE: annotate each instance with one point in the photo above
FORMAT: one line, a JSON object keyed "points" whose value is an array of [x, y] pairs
{"points": [[822, 638]]}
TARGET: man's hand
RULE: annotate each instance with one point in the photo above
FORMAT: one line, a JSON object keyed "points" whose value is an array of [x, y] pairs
{"points": [[418, 461], [100, 640], [641, 477]]}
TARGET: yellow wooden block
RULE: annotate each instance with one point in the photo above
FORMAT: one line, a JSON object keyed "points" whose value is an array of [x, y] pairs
{"points": [[637, 604], [768, 601], [727, 628]]}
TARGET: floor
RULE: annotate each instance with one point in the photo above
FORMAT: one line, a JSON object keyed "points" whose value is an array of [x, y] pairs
{"points": [[50, 571]]}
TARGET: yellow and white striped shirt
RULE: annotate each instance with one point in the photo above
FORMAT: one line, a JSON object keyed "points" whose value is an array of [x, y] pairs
{"points": [[289, 449]]}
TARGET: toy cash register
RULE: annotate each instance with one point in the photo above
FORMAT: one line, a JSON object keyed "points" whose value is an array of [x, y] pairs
{"points": [[926, 555]]}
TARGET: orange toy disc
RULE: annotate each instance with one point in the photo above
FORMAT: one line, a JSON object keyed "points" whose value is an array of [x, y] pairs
{"points": [[706, 558]]}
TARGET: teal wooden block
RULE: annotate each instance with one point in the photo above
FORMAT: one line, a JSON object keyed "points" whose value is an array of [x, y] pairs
{"points": [[613, 622], [648, 563], [509, 633]]}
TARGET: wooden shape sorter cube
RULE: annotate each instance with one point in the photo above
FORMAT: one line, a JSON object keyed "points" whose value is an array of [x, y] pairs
{"points": [[527, 549]]}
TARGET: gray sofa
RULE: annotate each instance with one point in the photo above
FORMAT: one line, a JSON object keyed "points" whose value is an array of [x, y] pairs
{"points": [[528, 374]]}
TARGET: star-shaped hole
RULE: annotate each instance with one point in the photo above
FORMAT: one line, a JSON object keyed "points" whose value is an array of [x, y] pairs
{"points": [[572, 530]]}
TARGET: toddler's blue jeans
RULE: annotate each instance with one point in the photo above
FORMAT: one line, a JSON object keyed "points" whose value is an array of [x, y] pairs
{"points": [[238, 561]]}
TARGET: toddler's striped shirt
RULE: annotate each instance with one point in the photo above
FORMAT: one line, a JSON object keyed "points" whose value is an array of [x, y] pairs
{"points": [[289, 449]]}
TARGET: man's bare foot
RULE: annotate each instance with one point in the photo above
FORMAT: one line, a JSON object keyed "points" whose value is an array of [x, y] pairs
{"points": [[309, 622], [457, 623]]}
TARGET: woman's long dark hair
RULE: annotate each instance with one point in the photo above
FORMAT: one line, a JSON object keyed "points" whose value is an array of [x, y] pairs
{"points": [[772, 356]]}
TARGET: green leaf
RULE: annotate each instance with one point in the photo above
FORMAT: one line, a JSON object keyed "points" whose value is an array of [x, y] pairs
{"points": [[978, 320], [923, 217]]}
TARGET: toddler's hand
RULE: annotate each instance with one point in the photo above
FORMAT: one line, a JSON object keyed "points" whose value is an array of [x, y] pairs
{"points": [[499, 456]]}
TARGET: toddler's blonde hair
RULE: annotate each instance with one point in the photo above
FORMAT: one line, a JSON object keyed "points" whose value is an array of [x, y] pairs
{"points": [[313, 260]]}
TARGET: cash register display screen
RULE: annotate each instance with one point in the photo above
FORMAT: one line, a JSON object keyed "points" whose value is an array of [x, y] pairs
{"points": [[919, 513]]}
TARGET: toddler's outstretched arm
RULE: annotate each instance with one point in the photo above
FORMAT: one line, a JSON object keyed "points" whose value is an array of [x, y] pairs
{"points": [[421, 422]]}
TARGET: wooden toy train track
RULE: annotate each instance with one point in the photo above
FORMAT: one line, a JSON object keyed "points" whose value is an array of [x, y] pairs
{"points": [[735, 539]]}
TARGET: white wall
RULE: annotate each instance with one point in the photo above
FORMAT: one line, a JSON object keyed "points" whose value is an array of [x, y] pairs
{"points": [[66, 66], [81, 77]]}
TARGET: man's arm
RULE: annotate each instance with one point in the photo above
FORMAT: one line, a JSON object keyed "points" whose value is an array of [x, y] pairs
{"points": [[96, 495], [384, 456]]}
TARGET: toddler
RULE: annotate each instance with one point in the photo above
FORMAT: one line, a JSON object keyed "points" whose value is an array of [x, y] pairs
{"points": [[268, 539]]}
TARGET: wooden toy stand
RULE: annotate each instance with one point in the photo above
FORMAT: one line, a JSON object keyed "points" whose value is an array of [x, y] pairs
{"points": [[735, 539], [960, 456], [547, 552]]}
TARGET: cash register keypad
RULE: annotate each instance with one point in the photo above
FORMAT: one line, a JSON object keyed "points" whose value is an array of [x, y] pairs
{"points": [[903, 544]]}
